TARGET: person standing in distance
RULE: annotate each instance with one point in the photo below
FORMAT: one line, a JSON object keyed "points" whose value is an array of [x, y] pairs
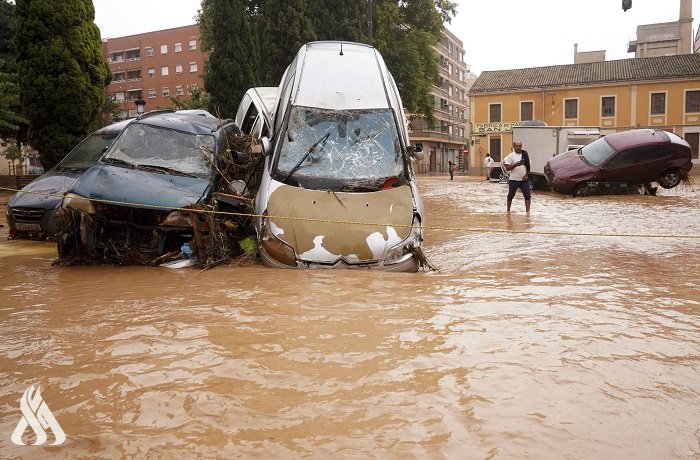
{"points": [[488, 163], [518, 164], [451, 166]]}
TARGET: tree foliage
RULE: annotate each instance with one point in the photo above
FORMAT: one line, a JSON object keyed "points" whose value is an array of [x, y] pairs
{"points": [[7, 32], [285, 25], [197, 100], [61, 73], [404, 31], [232, 65]]}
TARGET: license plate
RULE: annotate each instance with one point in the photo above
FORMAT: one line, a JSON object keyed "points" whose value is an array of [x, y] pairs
{"points": [[28, 227]]}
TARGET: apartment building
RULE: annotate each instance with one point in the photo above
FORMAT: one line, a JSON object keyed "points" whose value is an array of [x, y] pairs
{"points": [[447, 139], [154, 66]]}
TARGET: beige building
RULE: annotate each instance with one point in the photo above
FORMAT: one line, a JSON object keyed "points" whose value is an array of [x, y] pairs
{"points": [[666, 38], [154, 66], [448, 139], [658, 92]]}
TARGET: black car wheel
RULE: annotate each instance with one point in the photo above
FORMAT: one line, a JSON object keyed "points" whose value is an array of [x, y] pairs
{"points": [[670, 178], [582, 189]]}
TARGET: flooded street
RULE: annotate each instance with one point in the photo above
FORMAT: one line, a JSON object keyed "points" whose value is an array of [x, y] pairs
{"points": [[573, 333]]}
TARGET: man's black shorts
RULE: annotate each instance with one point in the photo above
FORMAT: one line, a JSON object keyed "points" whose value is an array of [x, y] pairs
{"points": [[514, 185]]}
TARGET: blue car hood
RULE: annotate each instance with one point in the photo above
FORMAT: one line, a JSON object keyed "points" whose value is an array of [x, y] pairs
{"points": [[140, 189], [45, 192]]}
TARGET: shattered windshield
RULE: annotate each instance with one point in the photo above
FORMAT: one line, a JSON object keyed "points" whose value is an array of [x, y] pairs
{"points": [[597, 152], [144, 145], [342, 150]]}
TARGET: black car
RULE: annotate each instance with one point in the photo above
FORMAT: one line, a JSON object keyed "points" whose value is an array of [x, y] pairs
{"points": [[133, 205], [34, 212]]}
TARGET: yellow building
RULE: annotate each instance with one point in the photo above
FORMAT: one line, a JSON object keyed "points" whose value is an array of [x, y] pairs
{"points": [[657, 92]]}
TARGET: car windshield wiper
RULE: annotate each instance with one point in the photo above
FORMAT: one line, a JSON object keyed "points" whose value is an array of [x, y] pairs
{"points": [[312, 149], [117, 161], [166, 170]]}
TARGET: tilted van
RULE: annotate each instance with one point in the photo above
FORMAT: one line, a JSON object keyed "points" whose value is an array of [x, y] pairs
{"points": [[338, 188]]}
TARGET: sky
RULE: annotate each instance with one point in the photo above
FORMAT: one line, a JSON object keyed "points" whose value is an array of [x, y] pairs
{"points": [[497, 34]]}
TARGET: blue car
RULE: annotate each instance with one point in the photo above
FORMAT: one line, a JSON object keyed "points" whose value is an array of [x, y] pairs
{"points": [[34, 212], [128, 207]]}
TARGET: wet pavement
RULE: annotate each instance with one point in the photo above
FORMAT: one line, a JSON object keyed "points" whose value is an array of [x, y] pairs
{"points": [[572, 332]]}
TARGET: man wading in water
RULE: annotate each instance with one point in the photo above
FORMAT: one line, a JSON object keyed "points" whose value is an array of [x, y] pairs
{"points": [[518, 164]]}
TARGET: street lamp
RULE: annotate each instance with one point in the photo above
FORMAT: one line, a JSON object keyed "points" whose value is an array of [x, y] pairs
{"points": [[140, 104]]}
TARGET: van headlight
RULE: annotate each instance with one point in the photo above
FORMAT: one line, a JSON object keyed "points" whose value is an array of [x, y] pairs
{"points": [[80, 203], [401, 251], [274, 247]]}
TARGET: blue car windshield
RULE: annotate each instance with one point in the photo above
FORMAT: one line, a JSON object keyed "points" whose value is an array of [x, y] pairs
{"points": [[359, 147], [597, 152], [145, 145], [88, 151]]}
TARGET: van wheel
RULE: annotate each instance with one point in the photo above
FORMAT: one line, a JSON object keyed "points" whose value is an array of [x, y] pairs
{"points": [[582, 189], [670, 178]]}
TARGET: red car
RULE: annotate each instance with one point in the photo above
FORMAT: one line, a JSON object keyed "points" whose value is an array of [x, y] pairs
{"points": [[622, 159]]}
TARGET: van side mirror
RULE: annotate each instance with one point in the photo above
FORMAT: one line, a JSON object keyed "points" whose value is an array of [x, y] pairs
{"points": [[416, 151], [266, 145]]}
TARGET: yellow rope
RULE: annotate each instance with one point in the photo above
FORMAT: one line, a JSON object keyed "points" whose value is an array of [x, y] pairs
{"points": [[375, 224]]}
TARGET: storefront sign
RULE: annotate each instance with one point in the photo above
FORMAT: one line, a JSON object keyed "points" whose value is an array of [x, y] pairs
{"points": [[484, 128]]}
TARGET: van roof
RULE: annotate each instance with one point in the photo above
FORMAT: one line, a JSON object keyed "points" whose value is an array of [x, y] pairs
{"points": [[359, 76]]}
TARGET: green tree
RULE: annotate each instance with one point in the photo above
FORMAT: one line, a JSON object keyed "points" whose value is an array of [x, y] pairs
{"points": [[346, 20], [417, 25], [233, 58], [7, 32], [10, 119], [285, 27], [61, 73], [197, 100]]}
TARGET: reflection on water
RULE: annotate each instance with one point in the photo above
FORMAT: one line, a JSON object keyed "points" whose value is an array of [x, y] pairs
{"points": [[538, 339]]}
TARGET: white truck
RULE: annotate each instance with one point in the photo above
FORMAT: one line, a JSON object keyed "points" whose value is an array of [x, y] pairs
{"points": [[545, 142]]}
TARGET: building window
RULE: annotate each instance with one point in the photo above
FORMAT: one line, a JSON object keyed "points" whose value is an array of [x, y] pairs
{"points": [[166, 91], [119, 96], [658, 103], [526, 111], [193, 45], [178, 69], [570, 109], [607, 106], [178, 90], [151, 72], [193, 66], [163, 49], [164, 70], [149, 51], [151, 93], [178, 47], [494, 113], [692, 101]]}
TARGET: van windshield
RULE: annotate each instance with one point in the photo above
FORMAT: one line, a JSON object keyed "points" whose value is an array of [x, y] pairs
{"points": [[350, 150], [144, 145]]}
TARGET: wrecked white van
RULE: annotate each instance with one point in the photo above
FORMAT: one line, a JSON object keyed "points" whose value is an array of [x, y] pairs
{"points": [[338, 189]]}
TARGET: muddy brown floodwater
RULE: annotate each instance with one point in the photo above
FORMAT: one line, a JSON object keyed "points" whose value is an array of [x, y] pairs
{"points": [[570, 333]]}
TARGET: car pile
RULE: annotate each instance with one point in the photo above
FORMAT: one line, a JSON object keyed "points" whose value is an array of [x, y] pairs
{"points": [[319, 176]]}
